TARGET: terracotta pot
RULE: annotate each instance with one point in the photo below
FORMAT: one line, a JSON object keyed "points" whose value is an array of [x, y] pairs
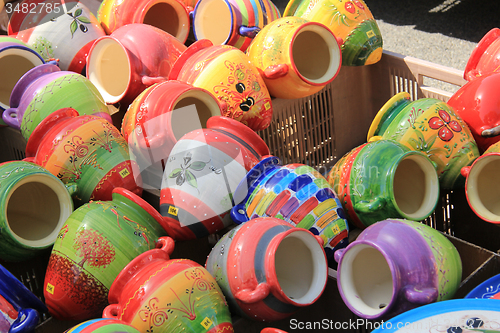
{"points": [[154, 292], [396, 265], [297, 58], [97, 241], [485, 58], [201, 174], [102, 325], [268, 269]]}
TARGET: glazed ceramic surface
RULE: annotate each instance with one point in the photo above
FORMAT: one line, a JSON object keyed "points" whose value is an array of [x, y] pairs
{"points": [[45, 89], [268, 269], [350, 21], [297, 57], [103, 325], [396, 265], [16, 58], [231, 22], [432, 127], [485, 58], [476, 102], [97, 241], [202, 172], [227, 73], [59, 33], [86, 150], [157, 294], [132, 58], [383, 179], [487, 289], [457, 315], [171, 16], [295, 193], [25, 233]]}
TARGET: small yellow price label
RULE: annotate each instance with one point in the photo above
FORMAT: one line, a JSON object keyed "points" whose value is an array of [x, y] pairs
{"points": [[370, 33], [50, 288], [470, 155], [267, 105], [173, 210], [124, 173], [206, 323]]}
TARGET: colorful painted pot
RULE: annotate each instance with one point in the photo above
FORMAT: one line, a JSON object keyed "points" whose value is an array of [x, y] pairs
{"points": [[295, 193], [202, 172], [171, 16], [158, 118], [268, 269], [231, 22], [132, 58], [297, 57], [485, 58], [103, 325], [20, 309], [350, 21], [59, 33], [383, 179], [97, 241], [396, 265], [16, 58], [25, 233], [228, 74], [45, 89], [432, 127], [158, 294], [490, 288], [476, 102], [86, 150]]}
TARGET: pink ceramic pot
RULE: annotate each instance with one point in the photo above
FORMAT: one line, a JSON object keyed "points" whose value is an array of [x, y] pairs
{"points": [[485, 58], [132, 58]]}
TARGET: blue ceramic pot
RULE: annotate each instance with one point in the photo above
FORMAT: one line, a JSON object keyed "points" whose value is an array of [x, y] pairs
{"points": [[487, 289]]}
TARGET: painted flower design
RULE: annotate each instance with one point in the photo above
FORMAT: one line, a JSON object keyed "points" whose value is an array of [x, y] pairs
{"points": [[183, 174], [445, 125]]}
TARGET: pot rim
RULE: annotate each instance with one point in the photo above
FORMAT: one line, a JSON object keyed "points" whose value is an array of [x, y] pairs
{"points": [[396, 102]]}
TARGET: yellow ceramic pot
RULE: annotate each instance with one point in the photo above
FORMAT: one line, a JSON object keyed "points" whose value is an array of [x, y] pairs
{"points": [[296, 57], [350, 20]]}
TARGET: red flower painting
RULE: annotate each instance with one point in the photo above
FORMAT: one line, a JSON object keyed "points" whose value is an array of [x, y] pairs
{"points": [[445, 125]]}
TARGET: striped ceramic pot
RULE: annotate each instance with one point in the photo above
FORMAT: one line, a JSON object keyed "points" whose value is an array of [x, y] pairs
{"points": [[102, 325], [295, 193], [267, 269], [157, 294]]}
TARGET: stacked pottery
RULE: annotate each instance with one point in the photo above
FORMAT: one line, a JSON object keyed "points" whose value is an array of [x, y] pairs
{"points": [[295, 193], [350, 21], [86, 150], [202, 172], [267, 269], [154, 293], [97, 241], [383, 179], [430, 126], [297, 58], [396, 265], [228, 74]]}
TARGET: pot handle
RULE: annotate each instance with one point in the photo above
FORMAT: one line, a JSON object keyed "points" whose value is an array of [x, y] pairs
{"points": [[10, 117], [421, 296], [166, 244], [26, 321], [249, 32], [275, 71], [239, 214], [486, 132], [252, 296], [373, 205], [337, 255], [465, 171], [72, 189], [150, 80], [111, 311]]}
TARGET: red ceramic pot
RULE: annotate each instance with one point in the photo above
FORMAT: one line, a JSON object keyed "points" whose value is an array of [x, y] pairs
{"points": [[485, 58], [131, 59], [202, 172]]}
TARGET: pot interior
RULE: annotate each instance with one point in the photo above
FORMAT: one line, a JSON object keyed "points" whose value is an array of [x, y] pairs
{"points": [[213, 21], [416, 187], [164, 16], [366, 280], [301, 267]]}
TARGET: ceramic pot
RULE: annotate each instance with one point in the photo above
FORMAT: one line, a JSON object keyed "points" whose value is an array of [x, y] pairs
{"points": [[97, 241], [132, 58], [102, 325], [16, 58], [171, 16], [158, 118], [490, 288], [383, 179], [476, 102], [297, 58], [432, 127], [55, 34], [350, 21], [295, 193], [485, 58], [156, 293], [201, 174], [25, 233], [86, 150], [268, 269], [228, 74], [45, 89], [231, 22], [396, 265], [20, 309], [271, 330]]}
